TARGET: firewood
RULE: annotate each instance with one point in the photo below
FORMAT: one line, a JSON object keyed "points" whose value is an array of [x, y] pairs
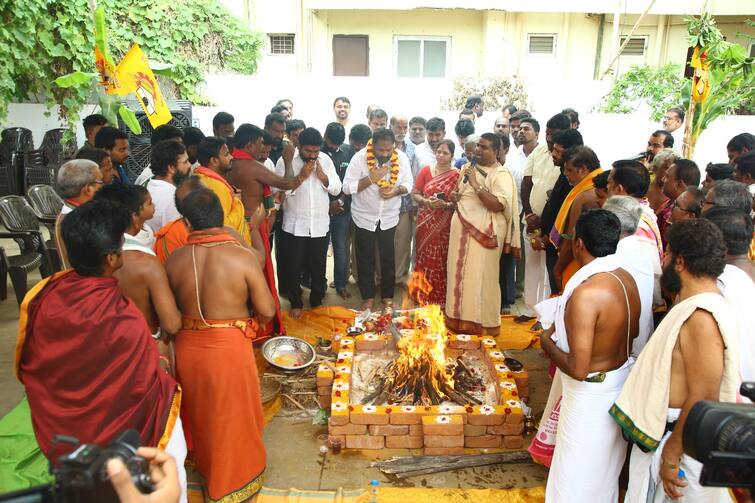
{"points": [[424, 465]]}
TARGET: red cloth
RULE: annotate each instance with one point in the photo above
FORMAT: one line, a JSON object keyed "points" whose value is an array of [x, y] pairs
{"points": [[170, 237], [268, 329], [433, 230], [90, 366]]}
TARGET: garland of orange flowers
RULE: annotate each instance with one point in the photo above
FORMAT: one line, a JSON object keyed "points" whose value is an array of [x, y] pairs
{"points": [[373, 164]]}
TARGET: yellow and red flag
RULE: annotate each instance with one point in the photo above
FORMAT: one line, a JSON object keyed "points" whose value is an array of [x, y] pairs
{"points": [[700, 79], [133, 75]]}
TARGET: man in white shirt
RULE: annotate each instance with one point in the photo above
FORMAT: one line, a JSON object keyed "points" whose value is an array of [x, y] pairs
{"points": [[539, 177], [744, 170], [376, 178], [170, 165], [342, 109], [306, 221], [264, 154], [737, 283], [673, 123], [406, 225], [161, 133], [417, 130], [640, 259]]}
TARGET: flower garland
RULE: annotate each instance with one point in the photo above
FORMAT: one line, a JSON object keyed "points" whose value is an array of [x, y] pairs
{"points": [[373, 164]]}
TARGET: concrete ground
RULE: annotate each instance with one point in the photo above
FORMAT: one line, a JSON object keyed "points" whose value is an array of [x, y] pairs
{"points": [[294, 459]]}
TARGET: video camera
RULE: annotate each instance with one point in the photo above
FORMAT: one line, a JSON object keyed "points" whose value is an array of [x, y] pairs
{"points": [[81, 476], [722, 437]]}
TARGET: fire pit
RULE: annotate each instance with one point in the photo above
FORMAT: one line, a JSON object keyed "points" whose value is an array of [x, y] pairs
{"points": [[425, 389]]}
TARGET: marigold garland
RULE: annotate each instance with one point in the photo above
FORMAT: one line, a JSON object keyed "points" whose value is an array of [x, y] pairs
{"points": [[373, 164]]}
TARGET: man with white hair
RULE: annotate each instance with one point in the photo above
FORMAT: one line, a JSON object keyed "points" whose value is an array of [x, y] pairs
{"points": [[640, 259], [77, 183]]}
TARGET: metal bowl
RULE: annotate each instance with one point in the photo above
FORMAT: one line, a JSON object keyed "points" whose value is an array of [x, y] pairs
{"points": [[288, 353]]}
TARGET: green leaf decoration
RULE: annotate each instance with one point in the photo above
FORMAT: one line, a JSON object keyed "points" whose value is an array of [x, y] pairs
{"points": [[74, 79], [129, 119], [109, 107]]}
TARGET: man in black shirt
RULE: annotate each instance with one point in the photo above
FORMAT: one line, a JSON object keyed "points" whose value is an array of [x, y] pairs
{"points": [[561, 142]]}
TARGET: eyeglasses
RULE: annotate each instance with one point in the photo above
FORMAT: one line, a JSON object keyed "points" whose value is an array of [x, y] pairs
{"points": [[98, 182]]}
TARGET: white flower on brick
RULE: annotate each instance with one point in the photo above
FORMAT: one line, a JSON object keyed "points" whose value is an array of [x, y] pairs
{"points": [[370, 337], [464, 337], [447, 409], [346, 343], [512, 403], [507, 385], [345, 369], [323, 368], [496, 354], [369, 409], [500, 367], [487, 341], [337, 406], [487, 409], [442, 419], [345, 355], [408, 408], [341, 386]]}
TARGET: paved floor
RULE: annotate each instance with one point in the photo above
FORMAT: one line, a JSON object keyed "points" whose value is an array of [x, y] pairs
{"points": [[293, 445]]}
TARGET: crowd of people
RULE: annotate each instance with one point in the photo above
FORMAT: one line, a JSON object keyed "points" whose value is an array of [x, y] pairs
{"points": [[639, 273]]}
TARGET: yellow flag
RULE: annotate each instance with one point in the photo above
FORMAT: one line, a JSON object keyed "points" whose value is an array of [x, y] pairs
{"points": [[135, 76], [700, 79]]}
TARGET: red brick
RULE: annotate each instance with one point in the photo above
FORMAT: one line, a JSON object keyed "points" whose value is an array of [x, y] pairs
{"points": [[364, 442], [444, 451], [324, 401], [474, 430], [452, 354], [453, 428], [464, 344], [348, 429], [339, 419], [371, 345], [324, 390], [324, 381], [443, 441], [483, 441], [514, 418], [506, 429], [372, 418], [389, 429], [340, 438], [406, 418], [403, 442], [513, 442], [416, 430], [485, 420], [522, 382]]}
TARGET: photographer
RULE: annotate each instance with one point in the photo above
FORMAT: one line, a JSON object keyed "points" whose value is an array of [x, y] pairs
{"points": [[163, 472]]}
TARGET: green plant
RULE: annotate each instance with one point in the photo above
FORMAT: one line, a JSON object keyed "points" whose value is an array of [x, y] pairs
{"points": [[41, 40], [730, 76], [496, 92], [657, 87]]}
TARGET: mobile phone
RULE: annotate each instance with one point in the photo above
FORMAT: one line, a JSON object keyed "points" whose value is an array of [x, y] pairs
{"points": [[440, 195]]}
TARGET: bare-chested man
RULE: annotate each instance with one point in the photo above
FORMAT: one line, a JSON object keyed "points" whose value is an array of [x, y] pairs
{"points": [[255, 182], [693, 355], [216, 280], [596, 320], [142, 277]]}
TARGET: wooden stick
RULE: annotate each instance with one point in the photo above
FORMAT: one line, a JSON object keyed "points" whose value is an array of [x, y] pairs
{"points": [[626, 39], [424, 465]]}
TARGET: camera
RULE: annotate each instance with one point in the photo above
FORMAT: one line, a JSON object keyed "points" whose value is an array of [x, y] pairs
{"points": [[722, 437], [81, 476]]}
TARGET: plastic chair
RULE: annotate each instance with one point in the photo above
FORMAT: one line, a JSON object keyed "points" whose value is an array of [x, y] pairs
{"points": [[56, 151], [18, 267], [37, 170], [14, 142], [19, 217], [46, 204]]}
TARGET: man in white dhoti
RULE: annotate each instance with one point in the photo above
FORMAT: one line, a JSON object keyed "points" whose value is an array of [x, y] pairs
{"points": [[640, 259], [596, 320], [693, 355]]}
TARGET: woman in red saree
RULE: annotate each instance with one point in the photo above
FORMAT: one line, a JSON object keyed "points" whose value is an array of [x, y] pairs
{"points": [[431, 193]]}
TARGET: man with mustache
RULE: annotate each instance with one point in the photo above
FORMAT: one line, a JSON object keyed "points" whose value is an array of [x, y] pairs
{"points": [[693, 355], [170, 165]]}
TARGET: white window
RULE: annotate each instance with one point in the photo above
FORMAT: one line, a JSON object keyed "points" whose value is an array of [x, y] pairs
{"points": [[636, 46], [541, 43], [421, 56], [281, 43]]}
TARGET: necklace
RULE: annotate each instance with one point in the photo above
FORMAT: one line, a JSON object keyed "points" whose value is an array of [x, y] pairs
{"points": [[373, 164]]}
